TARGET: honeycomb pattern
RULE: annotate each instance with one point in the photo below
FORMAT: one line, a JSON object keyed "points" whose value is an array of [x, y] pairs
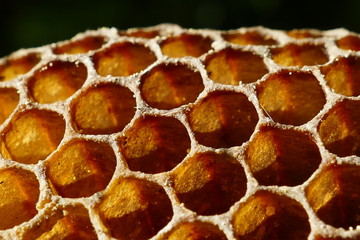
{"points": [[167, 133]]}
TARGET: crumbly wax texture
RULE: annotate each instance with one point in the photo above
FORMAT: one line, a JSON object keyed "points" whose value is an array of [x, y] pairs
{"points": [[168, 133]]}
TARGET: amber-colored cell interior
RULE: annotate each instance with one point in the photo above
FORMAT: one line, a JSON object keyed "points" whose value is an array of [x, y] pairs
{"points": [[300, 55], [81, 168], [209, 183], [32, 135], [340, 129], [186, 45], [223, 119], [154, 144], [19, 193], [134, 209], [343, 75], [303, 33], [12, 68], [349, 42], [103, 109], [9, 99], [123, 59], [334, 195], [232, 66], [195, 231], [249, 38], [63, 224], [81, 46], [171, 85], [282, 157], [140, 34], [291, 97], [57, 81], [266, 215]]}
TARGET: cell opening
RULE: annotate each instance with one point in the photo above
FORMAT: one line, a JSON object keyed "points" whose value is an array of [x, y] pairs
{"points": [[290, 97], [81, 46], [251, 37], [13, 67], [9, 99], [223, 119], [169, 86], [350, 42], [57, 81], [154, 144]]}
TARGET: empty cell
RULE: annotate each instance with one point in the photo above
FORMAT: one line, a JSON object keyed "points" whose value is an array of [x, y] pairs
{"points": [[340, 129], [123, 59], [154, 144], [139, 33], [169, 86], [223, 119], [282, 156], [343, 75], [266, 215], [230, 66], [291, 97], [65, 223], [56, 81], [250, 37], [19, 193], [80, 168], [134, 209], [13, 67], [304, 33], [80, 46], [334, 195], [349, 42], [306, 54], [9, 99], [209, 183], [103, 109], [186, 45], [195, 231], [32, 135]]}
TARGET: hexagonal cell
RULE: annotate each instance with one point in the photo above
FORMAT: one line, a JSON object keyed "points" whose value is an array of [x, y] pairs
{"points": [[135, 209], [195, 231], [334, 195], [350, 42], [282, 156], [291, 97], [223, 119], [267, 215], [343, 75], [171, 85], [154, 144], [230, 66], [186, 45], [123, 59], [209, 183], [32, 135], [14, 67], [9, 99], [300, 54], [103, 109], [81, 46], [80, 168], [304, 33], [63, 224], [340, 129], [139, 33], [251, 37], [19, 193], [57, 81]]}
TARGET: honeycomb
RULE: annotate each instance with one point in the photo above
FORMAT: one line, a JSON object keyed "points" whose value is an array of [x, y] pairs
{"points": [[168, 133]]}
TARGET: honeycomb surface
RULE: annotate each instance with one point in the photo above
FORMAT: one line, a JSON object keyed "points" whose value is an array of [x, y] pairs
{"points": [[169, 133]]}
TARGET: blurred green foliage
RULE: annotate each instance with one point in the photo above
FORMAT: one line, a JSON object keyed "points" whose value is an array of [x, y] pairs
{"points": [[34, 23]]}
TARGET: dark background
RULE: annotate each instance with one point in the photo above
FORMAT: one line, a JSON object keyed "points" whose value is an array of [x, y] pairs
{"points": [[34, 23]]}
